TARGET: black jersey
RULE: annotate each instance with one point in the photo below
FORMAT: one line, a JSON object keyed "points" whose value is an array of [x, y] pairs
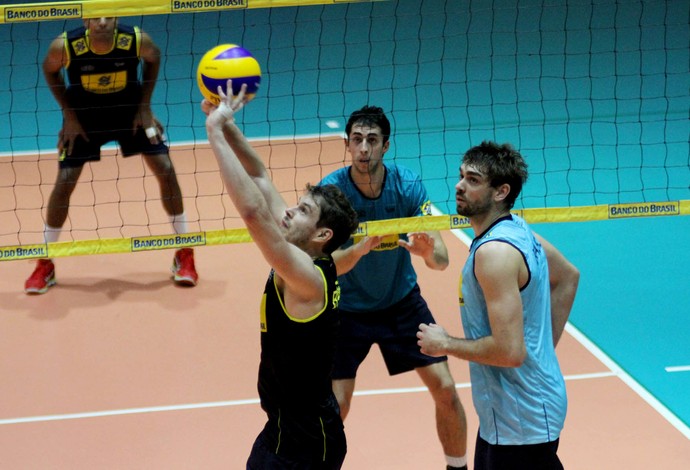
{"points": [[295, 371], [108, 79]]}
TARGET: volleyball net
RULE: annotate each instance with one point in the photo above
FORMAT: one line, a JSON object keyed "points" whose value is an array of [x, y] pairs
{"points": [[594, 94]]}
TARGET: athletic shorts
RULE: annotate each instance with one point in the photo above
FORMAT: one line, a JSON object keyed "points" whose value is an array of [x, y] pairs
{"points": [[516, 457], [108, 124], [264, 457], [394, 329]]}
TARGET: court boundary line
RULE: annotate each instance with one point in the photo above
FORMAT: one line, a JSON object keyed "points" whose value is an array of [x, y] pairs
{"points": [[240, 402]]}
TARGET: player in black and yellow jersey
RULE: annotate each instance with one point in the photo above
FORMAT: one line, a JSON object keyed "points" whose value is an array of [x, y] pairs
{"points": [[299, 309], [93, 73]]}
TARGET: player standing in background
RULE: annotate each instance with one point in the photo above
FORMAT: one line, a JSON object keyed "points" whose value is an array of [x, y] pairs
{"points": [[517, 293], [381, 301], [299, 308], [104, 100]]}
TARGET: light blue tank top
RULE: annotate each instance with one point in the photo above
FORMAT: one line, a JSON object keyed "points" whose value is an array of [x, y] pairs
{"points": [[385, 275], [527, 404]]}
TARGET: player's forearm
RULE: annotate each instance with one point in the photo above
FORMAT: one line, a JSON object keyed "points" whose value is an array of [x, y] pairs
{"points": [[487, 351], [251, 161], [438, 259], [242, 190], [346, 259], [562, 299]]}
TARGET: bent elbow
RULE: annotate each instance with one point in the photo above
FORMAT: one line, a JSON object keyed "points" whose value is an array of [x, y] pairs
{"points": [[516, 357], [250, 213], [575, 277]]}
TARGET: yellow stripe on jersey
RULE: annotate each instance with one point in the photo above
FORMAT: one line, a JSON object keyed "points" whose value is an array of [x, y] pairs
{"points": [[461, 299], [104, 83], [263, 314]]}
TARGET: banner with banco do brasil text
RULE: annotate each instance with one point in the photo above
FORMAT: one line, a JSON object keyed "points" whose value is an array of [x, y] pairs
{"points": [[48, 11]]}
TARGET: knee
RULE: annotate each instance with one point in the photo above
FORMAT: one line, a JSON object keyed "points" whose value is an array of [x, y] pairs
{"points": [[446, 395], [344, 397], [344, 408], [160, 163]]}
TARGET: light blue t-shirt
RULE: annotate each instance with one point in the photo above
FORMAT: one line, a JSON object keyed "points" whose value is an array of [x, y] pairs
{"points": [[526, 404], [385, 275]]}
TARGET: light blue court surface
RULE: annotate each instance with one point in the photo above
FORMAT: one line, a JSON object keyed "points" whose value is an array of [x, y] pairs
{"points": [[594, 94], [634, 302]]}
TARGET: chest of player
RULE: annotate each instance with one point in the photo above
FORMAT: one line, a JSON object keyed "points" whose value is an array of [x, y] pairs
{"points": [[106, 73]]}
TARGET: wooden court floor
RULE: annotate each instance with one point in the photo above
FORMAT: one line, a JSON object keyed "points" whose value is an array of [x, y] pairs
{"points": [[117, 368]]}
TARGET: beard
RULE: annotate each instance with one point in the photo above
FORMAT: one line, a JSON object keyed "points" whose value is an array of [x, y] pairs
{"points": [[470, 209]]}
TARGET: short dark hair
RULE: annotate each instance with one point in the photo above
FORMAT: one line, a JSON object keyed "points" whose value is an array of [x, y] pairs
{"points": [[502, 164], [337, 214], [370, 116]]}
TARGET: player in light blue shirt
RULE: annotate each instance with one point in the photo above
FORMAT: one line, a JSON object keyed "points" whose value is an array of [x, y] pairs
{"points": [[517, 291], [380, 301]]}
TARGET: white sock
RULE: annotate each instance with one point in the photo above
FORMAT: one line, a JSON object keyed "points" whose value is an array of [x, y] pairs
{"points": [[51, 234], [179, 223], [456, 461]]}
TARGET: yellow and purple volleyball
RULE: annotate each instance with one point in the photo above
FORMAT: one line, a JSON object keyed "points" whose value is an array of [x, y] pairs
{"points": [[228, 62]]}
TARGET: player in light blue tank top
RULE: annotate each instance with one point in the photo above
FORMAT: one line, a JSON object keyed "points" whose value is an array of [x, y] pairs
{"points": [[369, 287], [536, 387], [516, 294]]}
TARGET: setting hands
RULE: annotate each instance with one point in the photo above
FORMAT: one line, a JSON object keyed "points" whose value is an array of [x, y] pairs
{"points": [[227, 108]]}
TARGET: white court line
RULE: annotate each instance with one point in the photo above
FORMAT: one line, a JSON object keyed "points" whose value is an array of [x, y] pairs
{"points": [[677, 369], [221, 404], [629, 381]]}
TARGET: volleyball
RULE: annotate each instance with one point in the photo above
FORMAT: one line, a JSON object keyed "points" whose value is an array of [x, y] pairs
{"points": [[228, 62]]}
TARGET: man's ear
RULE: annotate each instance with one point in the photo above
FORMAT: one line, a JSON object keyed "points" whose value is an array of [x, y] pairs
{"points": [[502, 192], [386, 146], [323, 234]]}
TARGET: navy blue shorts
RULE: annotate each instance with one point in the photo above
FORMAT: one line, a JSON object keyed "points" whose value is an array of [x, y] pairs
{"points": [[394, 329], [516, 457]]}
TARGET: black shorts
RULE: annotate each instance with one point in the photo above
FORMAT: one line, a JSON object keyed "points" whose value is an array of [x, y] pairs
{"points": [[108, 124], [394, 329], [264, 456], [516, 457]]}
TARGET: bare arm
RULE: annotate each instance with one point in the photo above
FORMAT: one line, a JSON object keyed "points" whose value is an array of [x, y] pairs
{"points": [[346, 258], [53, 63], [430, 246], [499, 269], [302, 284], [563, 278], [255, 168], [150, 55]]}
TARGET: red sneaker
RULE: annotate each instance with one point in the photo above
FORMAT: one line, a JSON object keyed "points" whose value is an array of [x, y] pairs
{"points": [[42, 278], [183, 267]]}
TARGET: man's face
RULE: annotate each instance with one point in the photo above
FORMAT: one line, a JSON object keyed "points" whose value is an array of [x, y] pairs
{"points": [[299, 222], [366, 147], [473, 194], [101, 28]]}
